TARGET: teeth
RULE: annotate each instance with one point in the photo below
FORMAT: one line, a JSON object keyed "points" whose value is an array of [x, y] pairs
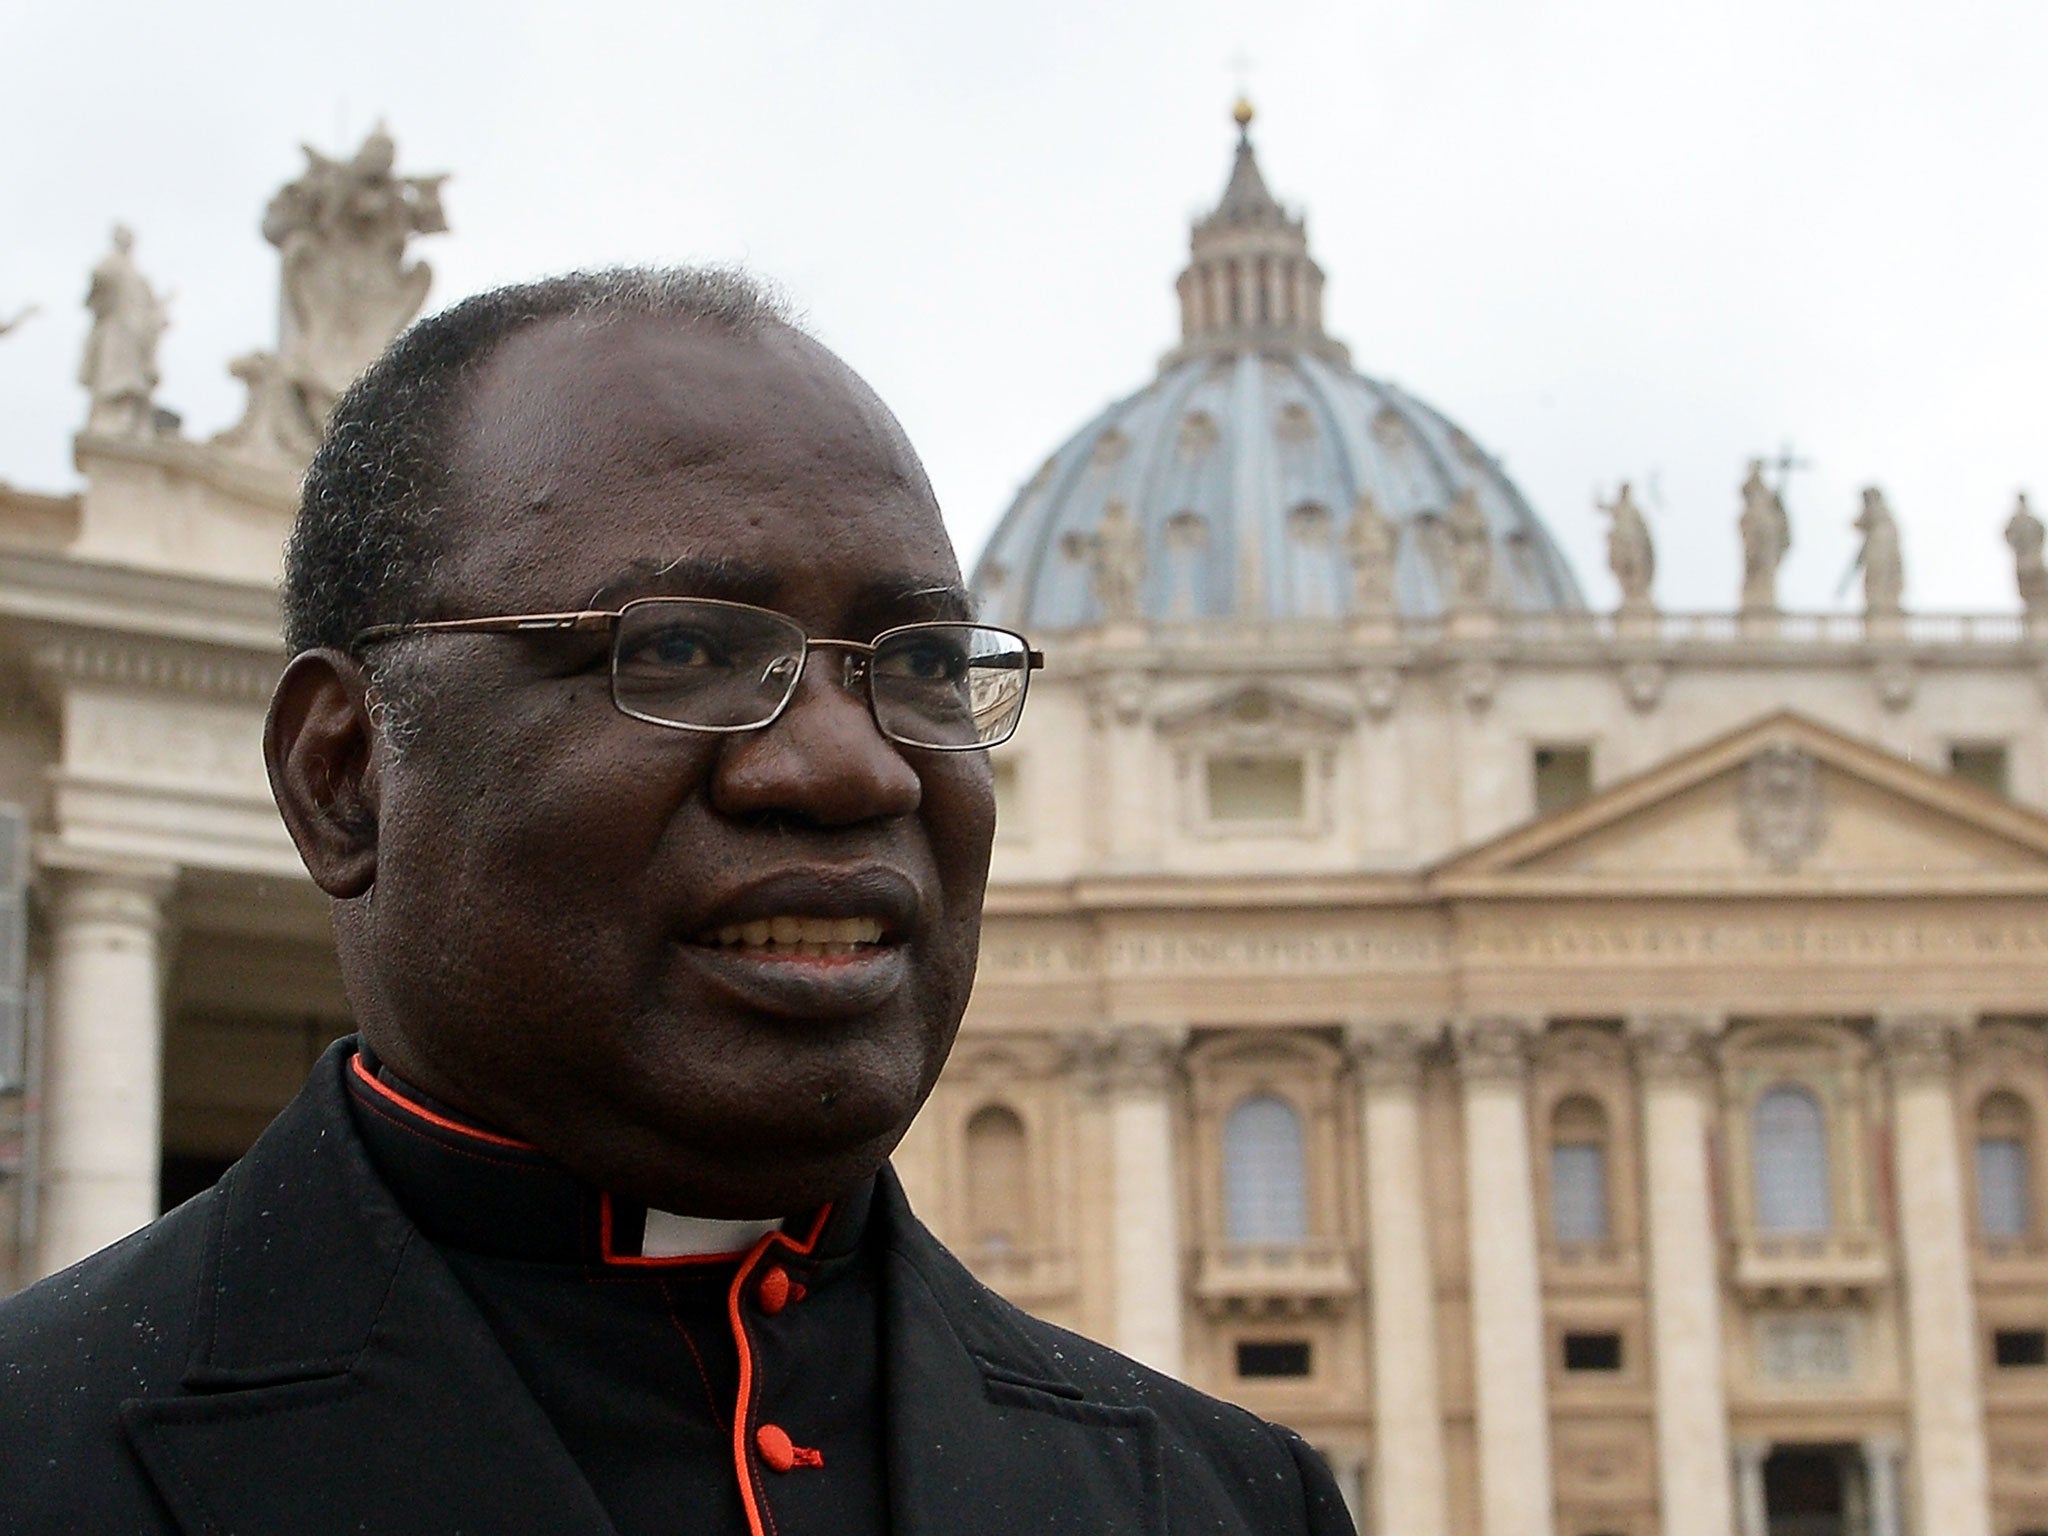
{"points": [[805, 937]]}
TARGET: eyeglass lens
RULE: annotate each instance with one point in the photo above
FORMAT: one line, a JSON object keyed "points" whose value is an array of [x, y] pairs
{"points": [[726, 667]]}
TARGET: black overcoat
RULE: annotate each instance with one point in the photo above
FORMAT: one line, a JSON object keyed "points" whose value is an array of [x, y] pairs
{"points": [[286, 1354]]}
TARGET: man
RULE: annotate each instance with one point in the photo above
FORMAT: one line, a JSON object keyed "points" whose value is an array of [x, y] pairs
{"points": [[635, 728]]}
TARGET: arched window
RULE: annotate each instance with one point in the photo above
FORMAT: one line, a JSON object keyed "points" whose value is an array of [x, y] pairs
{"points": [[2004, 1200], [1578, 1170], [1790, 1144], [1265, 1172], [998, 1200]]}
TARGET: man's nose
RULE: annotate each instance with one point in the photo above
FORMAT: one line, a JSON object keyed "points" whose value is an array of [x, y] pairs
{"points": [[823, 759]]}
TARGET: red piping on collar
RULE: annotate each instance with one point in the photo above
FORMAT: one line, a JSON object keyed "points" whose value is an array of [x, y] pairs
{"points": [[414, 1107]]}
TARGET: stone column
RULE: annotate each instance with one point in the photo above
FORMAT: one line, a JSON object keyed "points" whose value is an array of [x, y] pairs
{"points": [[1951, 1475], [1141, 1064], [1507, 1299], [1685, 1288], [1881, 1475], [102, 1062], [1408, 1425], [1752, 1516]]}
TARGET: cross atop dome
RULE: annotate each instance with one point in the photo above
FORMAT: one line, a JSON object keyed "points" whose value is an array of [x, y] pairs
{"points": [[1250, 282]]}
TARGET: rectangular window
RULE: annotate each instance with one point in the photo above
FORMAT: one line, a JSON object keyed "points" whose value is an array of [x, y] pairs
{"points": [[1257, 789], [1563, 777], [1592, 1351], [1272, 1357], [1578, 1192], [2002, 1186], [1981, 763], [2018, 1348]]}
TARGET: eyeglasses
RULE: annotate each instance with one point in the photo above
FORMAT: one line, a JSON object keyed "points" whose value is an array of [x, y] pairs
{"points": [[703, 664]]}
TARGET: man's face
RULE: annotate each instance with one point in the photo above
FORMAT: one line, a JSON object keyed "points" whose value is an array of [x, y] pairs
{"points": [[559, 936]]}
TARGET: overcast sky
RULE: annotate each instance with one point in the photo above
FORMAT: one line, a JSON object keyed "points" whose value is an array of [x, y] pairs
{"points": [[1610, 239]]}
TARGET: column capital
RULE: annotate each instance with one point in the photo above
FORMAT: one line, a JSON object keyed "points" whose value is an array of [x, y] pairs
{"points": [[1920, 1046], [1389, 1052], [1672, 1047], [1128, 1058], [1494, 1047], [109, 890]]}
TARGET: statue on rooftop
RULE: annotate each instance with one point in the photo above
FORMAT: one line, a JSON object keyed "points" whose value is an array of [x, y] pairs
{"points": [[1370, 544], [1766, 536], [342, 228], [2025, 534], [1116, 562], [1884, 568], [1630, 554], [1471, 552], [119, 366]]}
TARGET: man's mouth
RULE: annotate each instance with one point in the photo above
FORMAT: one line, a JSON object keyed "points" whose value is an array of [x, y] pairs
{"points": [[800, 938]]}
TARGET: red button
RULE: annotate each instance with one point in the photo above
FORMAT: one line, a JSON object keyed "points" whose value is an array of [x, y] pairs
{"points": [[776, 1448], [774, 1290]]}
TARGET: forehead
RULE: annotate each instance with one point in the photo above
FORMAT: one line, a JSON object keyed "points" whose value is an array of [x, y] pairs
{"points": [[582, 449]]}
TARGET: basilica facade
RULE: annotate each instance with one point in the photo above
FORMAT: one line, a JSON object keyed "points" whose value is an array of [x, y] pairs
{"points": [[1586, 1071]]}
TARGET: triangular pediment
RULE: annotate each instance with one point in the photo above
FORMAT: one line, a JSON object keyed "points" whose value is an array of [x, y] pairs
{"points": [[1782, 804], [1256, 710]]}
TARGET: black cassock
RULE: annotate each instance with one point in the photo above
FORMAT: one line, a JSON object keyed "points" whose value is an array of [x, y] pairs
{"points": [[381, 1321]]}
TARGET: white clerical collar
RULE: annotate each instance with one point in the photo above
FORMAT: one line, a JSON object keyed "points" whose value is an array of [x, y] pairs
{"points": [[669, 1236]]}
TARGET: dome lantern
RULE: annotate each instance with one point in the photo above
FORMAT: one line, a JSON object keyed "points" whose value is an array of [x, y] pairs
{"points": [[1250, 280]]}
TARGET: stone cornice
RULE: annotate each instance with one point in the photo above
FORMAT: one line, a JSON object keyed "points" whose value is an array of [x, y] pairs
{"points": [[62, 591], [131, 662], [270, 484]]}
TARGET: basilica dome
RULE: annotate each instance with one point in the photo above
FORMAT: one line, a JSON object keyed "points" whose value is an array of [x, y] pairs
{"points": [[1234, 477]]}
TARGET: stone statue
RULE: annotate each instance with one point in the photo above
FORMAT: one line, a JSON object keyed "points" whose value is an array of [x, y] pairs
{"points": [[1471, 551], [1630, 554], [1370, 544], [119, 367], [1766, 536], [342, 229], [1116, 558], [1884, 570], [2024, 533]]}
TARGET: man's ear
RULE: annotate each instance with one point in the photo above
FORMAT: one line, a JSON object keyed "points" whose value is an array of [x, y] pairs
{"points": [[317, 745]]}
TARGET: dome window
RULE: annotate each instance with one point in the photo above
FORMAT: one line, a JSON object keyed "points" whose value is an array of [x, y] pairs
{"points": [[1198, 434], [1296, 424]]}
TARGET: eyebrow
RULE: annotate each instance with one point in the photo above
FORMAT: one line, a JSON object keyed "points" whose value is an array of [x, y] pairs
{"points": [[892, 599]]}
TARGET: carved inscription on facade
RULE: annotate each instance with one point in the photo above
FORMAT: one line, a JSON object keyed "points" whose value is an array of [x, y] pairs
{"points": [[1654, 943], [198, 746], [1279, 951]]}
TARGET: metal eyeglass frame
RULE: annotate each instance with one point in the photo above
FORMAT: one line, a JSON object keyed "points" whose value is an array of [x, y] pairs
{"points": [[855, 671]]}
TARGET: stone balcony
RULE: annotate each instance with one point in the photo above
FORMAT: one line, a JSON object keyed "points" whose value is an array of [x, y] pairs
{"points": [[1311, 1275], [1791, 1267]]}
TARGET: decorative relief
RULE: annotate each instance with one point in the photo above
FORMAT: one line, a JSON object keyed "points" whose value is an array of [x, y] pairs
{"points": [[1783, 817], [1478, 682], [1896, 683], [1806, 1351], [1117, 698], [1671, 1046], [1920, 1046], [1642, 683], [153, 669], [1127, 1058], [1493, 1049], [1389, 1052], [1379, 690]]}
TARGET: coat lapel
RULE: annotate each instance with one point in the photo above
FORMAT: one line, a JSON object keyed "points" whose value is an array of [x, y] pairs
{"points": [[333, 1349], [986, 1433]]}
